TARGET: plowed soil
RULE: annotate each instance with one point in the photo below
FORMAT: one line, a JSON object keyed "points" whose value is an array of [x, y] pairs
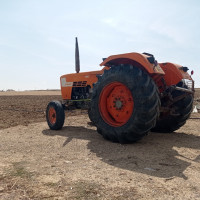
{"points": [[77, 163]]}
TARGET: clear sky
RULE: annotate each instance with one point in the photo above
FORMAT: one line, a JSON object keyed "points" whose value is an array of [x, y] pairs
{"points": [[37, 37]]}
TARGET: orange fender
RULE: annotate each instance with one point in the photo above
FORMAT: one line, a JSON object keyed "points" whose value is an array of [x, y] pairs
{"points": [[173, 73], [136, 59]]}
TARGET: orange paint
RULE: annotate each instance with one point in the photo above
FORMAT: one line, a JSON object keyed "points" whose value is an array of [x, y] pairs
{"points": [[89, 77], [169, 71], [116, 104], [52, 115], [136, 59], [173, 74]]}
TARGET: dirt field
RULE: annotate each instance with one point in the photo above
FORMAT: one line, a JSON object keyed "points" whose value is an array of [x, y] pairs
{"points": [[77, 163]]}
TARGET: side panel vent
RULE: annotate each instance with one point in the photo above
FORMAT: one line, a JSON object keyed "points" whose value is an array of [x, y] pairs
{"points": [[80, 84]]}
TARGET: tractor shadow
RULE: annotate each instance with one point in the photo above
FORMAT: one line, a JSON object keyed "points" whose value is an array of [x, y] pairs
{"points": [[155, 155]]}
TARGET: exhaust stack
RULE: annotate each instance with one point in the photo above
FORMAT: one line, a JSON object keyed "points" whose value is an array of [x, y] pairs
{"points": [[77, 60]]}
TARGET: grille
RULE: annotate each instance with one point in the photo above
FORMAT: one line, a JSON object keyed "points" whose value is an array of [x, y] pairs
{"points": [[80, 84]]}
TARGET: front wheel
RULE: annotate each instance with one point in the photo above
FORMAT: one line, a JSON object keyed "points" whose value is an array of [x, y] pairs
{"points": [[55, 115], [124, 104]]}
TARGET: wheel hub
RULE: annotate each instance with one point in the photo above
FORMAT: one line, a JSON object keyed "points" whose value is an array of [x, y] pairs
{"points": [[116, 104], [52, 115]]}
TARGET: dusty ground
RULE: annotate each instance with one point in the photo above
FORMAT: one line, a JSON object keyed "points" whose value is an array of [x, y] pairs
{"points": [[77, 163]]}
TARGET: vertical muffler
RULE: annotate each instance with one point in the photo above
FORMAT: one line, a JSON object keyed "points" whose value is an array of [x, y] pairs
{"points": [[77, 59]]}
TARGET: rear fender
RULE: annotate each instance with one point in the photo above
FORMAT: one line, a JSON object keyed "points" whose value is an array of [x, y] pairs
{"points": [[173, 73], [144, 61]]}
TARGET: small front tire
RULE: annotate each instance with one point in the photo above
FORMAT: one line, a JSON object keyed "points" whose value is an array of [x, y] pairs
{"points": [[55, 115]]}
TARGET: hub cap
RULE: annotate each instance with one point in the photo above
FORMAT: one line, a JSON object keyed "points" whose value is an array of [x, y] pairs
{"points": [[52, 115]]}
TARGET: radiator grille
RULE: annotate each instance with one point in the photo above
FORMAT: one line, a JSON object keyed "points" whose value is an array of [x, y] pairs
{"points": [[80, 84]]}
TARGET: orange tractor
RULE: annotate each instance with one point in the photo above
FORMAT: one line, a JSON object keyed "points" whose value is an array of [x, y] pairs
{"points": [[130, 96]]}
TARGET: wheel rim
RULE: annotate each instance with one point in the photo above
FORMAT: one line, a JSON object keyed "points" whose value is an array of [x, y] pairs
{"points": [[52, 115], [116, 104]]}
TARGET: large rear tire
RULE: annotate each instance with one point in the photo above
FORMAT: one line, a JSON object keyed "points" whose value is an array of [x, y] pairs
{"points": [[55, 115], [183, 109], [124, 104]]}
